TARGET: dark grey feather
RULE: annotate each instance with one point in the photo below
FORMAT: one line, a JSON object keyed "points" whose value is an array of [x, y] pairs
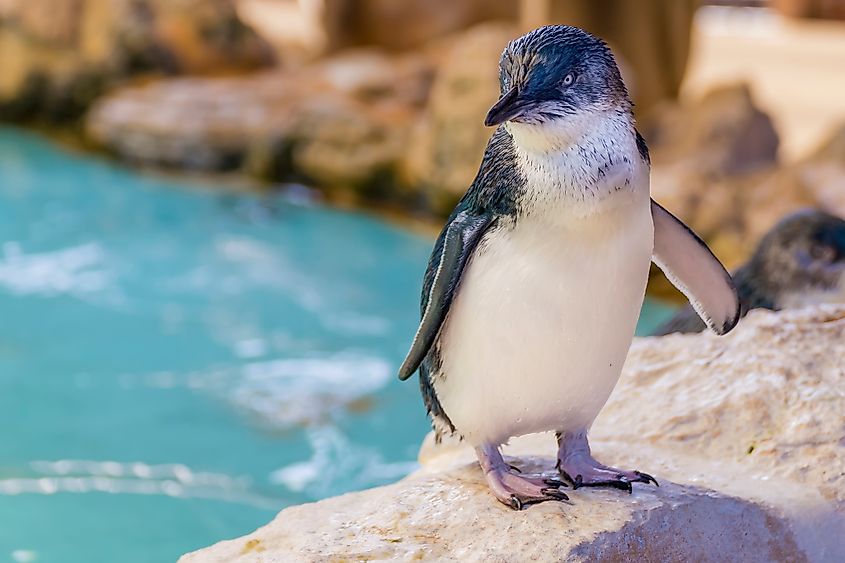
{"points": [[461, 237]]}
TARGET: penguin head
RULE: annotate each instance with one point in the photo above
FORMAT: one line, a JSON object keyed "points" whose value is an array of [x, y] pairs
{"points": [[801, 261], [558, 76]]}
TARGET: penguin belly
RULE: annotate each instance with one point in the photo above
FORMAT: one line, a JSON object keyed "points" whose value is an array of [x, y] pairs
{"points": [[538, 333]]}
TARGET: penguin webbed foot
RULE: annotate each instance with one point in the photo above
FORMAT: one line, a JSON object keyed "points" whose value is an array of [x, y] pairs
{"points": [[578, 467], [517, 491]]}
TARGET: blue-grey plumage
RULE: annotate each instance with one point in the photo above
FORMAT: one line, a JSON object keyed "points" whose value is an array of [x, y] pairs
{"points": [[534, 285]]}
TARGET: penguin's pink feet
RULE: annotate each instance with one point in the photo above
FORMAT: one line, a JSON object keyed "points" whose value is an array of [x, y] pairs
{"points": [[512, 488], [577, 465]]}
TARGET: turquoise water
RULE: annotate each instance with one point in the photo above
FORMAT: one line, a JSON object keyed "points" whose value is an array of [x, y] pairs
{"points": [[176, 365]]}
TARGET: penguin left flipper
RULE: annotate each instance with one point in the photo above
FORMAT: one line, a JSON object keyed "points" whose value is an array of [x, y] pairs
{"points": [[456, 244], [692, 268]]}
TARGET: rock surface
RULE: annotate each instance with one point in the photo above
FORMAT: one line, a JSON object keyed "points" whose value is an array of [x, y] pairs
{"points": [[723, 134], [59, 55], [744, 432], [340, 124], [405, 25]]}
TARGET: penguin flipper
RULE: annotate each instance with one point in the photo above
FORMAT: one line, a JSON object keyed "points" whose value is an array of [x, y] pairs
{"points": [[451, 253], [692, 268]]}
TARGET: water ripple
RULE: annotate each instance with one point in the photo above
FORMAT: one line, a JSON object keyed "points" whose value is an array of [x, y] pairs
{"points": [[336, 460], [284, 392], [173, 480], [77, 271]]}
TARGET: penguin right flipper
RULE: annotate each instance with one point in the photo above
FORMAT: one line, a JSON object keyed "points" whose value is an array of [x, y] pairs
{"points": [[451, 254], [691, 267]]}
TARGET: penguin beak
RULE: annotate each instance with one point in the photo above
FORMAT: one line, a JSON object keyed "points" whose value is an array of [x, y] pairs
{"points": [[508, 107]]}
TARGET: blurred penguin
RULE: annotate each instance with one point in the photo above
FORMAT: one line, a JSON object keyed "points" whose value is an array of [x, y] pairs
{"points": [[800, 262]]}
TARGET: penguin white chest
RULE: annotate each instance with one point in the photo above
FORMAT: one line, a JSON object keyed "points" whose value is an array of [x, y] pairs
{"points": [[539, 330]]}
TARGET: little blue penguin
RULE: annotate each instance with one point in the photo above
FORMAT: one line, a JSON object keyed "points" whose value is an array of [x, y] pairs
{"points": [[800, 262], [535, 284]]}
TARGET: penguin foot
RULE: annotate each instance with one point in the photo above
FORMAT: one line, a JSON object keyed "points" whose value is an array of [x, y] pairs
{"points": [[604, 476], [518, 492], [515, 490], [578, 467]]}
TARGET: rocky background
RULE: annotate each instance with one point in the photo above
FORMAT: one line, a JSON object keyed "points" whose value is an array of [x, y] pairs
{"points": [[58, 56], [381, 104]]}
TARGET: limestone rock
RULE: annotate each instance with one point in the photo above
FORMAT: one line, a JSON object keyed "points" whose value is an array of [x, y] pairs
{"points": [[340, 124], [450, 517], [744, 433], [74, 49]]}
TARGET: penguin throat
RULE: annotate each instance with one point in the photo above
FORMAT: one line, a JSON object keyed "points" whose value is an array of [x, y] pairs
{"points": [[585, 172], [563, 133]]}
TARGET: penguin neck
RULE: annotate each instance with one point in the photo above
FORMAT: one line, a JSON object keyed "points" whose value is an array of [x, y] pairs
{"points": [[580, 165], [565, 133]]}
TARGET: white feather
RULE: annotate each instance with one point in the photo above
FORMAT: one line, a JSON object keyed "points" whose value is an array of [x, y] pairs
{"points": [[538, 333]]}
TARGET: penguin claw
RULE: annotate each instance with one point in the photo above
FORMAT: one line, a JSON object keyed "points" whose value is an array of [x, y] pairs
{"points": [[519, 502], [555, 494], [555, 483], [621, 483], [646, 478]]}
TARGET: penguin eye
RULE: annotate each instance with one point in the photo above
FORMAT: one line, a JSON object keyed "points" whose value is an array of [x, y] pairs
{"points": [[823, 253], [569, 79]]}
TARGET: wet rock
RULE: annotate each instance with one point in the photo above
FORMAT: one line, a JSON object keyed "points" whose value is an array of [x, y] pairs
{"points": [[341, 124], [74, 49], [744, 433]]}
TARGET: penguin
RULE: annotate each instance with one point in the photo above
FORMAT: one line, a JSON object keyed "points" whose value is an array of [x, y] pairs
{"points": [[535, 284], [800, 262]]}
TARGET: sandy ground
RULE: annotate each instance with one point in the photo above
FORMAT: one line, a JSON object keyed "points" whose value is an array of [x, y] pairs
{"points": [[796, 69]]}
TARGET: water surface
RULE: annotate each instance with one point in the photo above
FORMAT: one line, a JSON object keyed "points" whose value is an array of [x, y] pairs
{"points": [[177, 364]]}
